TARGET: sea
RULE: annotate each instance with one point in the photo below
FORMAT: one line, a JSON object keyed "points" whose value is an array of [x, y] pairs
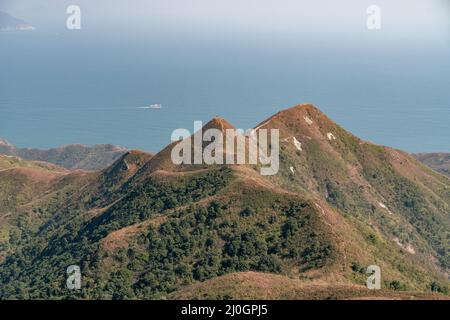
{"points": [[66, 87]]}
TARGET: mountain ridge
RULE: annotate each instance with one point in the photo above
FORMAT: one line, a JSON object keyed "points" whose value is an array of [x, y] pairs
{"points": [[74, 156], [439, 161], [146, 228]]}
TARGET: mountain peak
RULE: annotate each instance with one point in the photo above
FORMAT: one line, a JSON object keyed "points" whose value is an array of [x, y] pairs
{"points": [[332, 200], [218, 123], [302, 117], [301, 107], [301, 110]]}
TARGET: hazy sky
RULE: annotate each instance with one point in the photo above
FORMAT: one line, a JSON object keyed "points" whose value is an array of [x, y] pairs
{"points": [[406, 18]]}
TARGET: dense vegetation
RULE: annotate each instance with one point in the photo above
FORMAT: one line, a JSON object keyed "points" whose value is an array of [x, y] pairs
{"points": [[412, 214], [197, 243], [202, 243]]}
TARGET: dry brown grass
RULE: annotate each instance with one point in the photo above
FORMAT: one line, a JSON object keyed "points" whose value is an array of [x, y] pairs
{"points": [[253, 285], [121, 238]]}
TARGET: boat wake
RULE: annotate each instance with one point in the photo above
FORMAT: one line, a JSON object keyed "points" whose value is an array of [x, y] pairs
{"points": [[152, 106]]}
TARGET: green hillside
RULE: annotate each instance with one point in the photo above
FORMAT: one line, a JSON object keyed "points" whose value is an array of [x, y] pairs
{"points": [[145, 228]]}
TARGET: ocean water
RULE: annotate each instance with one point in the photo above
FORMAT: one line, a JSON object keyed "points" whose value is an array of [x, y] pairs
{"points": [[78, 87]]}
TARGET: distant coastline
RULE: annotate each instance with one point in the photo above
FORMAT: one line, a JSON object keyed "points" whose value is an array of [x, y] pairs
{"points": [[10, 23]]}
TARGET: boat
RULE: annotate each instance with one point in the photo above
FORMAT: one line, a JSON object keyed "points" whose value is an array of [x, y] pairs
{"points": [[152, 106]]}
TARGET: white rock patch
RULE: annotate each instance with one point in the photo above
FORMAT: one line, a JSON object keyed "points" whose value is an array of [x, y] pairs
{"points": [[321, 209], [382, 205], [410, 249], [297, 144], [331, 136], [126, 164], [292, 169], [308, 120]]}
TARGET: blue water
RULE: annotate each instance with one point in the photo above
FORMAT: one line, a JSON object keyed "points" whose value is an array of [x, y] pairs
{"points": [[78, 87]]}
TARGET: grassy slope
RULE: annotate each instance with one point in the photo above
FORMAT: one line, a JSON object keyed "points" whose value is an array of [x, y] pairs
{"points": [[253, 285], [357, 179], [21, 182]]}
